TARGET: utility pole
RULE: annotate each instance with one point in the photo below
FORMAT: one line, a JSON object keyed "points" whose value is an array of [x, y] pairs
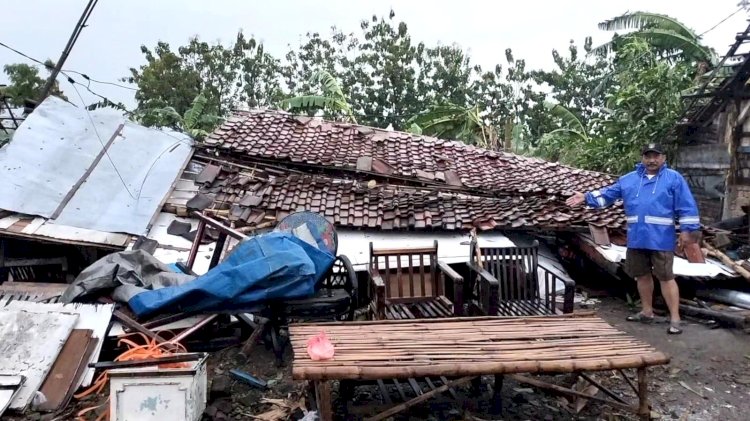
{"points": [[68, 47]]}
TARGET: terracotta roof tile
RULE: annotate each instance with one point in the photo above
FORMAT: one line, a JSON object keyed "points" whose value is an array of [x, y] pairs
{"points": [[354, 204], [271, 135]]}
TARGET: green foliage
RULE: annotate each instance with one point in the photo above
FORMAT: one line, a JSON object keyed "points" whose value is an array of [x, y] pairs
{"points": [[240, 74], [666, 35], [26, 83], [450, 121], [197, 121], [331, 99], [593, 109], [641, 104]]}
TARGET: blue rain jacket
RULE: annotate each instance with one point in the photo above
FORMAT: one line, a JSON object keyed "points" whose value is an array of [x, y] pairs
{"points": [[651, 206]]}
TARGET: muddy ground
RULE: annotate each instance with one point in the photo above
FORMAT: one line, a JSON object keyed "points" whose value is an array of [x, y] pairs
{"points": [[707, 379]]}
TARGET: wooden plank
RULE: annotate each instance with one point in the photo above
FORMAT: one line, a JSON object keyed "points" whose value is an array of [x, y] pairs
{"points": [[61, 378]]}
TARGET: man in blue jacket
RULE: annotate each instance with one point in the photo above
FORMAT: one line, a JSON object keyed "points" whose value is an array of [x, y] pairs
{"points": [[654, 196]]}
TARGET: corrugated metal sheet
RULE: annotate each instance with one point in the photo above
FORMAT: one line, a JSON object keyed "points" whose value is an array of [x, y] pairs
{"points": [[54, 165]]}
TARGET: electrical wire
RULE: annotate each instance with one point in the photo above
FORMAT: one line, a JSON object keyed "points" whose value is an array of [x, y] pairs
{"points": [[720, 22], [64, 71]]}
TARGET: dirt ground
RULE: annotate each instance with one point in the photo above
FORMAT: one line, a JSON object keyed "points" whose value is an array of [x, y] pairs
{"points": [[707, 379]]}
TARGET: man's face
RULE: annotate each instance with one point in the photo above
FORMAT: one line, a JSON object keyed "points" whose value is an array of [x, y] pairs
{"points": [[653, 161]]}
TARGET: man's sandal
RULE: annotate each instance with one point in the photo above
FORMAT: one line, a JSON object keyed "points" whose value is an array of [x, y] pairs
{"points": [[640, 317], [674, 328]]}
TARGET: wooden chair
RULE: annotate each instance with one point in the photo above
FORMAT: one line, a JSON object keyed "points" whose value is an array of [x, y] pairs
{"points": [[505, 282], [410, 284]]}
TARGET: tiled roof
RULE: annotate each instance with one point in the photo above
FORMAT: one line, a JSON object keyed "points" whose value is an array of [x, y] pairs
{"points": [[289, 139], [260, 195]]}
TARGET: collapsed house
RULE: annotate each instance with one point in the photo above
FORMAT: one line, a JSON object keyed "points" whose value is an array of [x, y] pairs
{"points": [[79, 185]]}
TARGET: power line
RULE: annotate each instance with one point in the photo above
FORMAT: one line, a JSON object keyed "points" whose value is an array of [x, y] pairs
{"points": [[720, 22], [64, 71]]}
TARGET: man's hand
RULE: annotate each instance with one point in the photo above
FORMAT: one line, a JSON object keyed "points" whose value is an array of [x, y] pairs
{"points": [[688, 237], [577, 199]]}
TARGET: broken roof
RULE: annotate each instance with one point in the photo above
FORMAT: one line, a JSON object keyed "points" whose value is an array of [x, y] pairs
{"points": [[90, 170], [258, 195], [267, 136]]}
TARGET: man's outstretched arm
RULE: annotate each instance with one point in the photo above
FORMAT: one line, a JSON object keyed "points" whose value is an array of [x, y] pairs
{"points": [[597, 198]]}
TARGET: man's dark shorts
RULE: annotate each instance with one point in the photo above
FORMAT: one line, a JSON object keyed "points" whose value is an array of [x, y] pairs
{"points": [[639, 262]]}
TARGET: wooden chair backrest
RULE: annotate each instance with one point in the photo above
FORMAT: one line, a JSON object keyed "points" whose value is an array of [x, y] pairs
{"points": [[407, 272], [515, 268]]}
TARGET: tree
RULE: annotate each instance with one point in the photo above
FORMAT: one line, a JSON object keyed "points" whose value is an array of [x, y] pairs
{"points": [[666, 35], [331, 98], [238, 75], [197, 121], [25, 83], [450, 121]]}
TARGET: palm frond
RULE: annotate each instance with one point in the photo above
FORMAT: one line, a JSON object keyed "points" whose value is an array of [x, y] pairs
{"points": [[644, 20]]}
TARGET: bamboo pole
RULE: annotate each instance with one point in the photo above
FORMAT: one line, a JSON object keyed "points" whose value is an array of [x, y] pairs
{"points": [[559, 389], [421, 398]]}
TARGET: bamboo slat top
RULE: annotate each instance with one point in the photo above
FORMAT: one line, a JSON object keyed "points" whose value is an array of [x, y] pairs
{"points": [[469, 346]]}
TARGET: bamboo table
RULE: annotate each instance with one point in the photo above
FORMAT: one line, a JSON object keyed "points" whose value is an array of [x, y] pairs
{"points": [[465, 348]]}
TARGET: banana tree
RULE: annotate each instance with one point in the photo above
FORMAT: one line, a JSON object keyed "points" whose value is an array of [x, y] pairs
{"points": [[665, 34], [562, 143], [451, 121], [331, 98], [197, 121]]}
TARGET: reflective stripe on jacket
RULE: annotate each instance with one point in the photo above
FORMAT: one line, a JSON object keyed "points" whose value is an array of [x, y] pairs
{"points": [[651, 206]]}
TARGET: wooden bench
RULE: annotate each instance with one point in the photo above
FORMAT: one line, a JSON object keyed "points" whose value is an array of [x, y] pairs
{"points": [[463, 348], [506, 282]]}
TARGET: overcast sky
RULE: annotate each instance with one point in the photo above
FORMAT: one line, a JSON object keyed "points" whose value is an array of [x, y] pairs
{"points": [[110, 44]]}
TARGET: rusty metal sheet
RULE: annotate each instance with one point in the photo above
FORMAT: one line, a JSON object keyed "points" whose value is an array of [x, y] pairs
{"points": [[62, 377]]}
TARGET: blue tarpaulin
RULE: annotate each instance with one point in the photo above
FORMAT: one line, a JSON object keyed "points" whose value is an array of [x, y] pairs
{"points": [[272, 266]]}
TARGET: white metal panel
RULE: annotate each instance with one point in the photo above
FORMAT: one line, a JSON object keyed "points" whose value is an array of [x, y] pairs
{"points": [[90, 316], [152, 394], [65, 232], [9, 386], [29, 345]]}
